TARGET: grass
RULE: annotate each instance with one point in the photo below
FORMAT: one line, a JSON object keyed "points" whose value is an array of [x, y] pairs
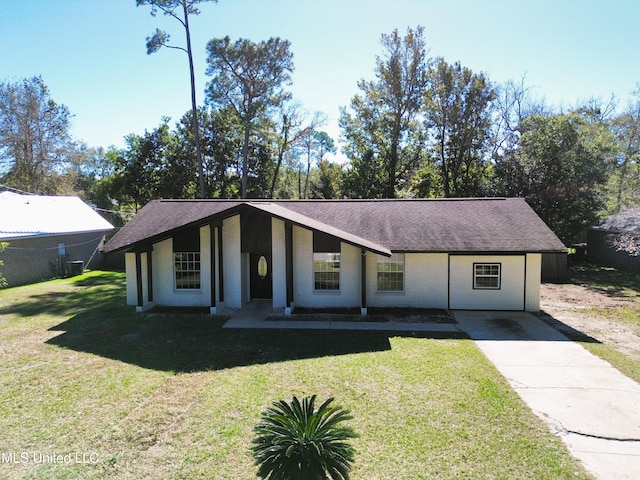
{"points": [[626, 364], [133, 396], [615, 283], [612, 281]]}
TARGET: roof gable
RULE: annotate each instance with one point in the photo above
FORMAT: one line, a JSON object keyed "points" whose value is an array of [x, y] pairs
{"points": [[158, 220], [310, 223], [23, 216]]}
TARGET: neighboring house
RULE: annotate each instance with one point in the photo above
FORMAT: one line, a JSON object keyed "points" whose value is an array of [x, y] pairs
{"points": [[452, 254], [48, 236], [600, 238]]}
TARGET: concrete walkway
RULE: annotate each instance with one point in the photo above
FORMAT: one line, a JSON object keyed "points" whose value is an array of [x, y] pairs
{"points": [[589, 404]]}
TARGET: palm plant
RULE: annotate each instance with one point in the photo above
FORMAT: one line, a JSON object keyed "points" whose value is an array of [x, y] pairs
{"points": [[295, 441]]}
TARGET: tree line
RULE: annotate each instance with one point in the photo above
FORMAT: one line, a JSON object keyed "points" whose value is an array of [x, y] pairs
{"points": [[422, 127]]}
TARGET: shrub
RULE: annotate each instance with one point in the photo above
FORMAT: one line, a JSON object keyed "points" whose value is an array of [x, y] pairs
{"points": [[3, 281], [295, 441]]}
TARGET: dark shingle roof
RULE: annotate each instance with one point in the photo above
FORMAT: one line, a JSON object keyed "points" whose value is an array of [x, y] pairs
{"points": [[435, 225], [308, 222]]}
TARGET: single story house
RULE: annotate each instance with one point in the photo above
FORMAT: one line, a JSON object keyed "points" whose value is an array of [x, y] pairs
{"points": [[600, 239], [47, 236], [440, 253]]}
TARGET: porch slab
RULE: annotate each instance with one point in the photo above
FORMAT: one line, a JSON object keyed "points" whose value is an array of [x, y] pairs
{"points": [[337, 325], [254, 315]]}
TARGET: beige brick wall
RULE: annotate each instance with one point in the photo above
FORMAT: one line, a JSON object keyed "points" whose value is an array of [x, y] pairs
{"points": [[231, 249], [534, 272], [425, 279], [278, 264], [163, 274], [510, 296], [164, 291], [304, 294], [425, 282], [130, 270]]}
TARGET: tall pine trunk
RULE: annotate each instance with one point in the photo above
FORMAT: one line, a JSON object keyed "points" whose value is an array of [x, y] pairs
{"points": [[194, 106]]}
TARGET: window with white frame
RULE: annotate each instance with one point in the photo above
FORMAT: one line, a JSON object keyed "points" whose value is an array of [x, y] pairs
{"points": [[326, 271], [187, 270], [391, 273], [486, 276]]}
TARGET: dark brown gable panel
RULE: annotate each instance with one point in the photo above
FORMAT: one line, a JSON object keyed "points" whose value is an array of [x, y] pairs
{"points": [[255, 228], [187, 240], [323, 243]]}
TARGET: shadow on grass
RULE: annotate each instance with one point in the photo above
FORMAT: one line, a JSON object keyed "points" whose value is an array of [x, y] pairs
{"points": [[613, 282], [567, 330], [189, 343], [98, 321], [92, 316]]}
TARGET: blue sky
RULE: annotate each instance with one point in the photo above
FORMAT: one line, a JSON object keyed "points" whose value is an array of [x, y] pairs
{"points": [[92, 56]]}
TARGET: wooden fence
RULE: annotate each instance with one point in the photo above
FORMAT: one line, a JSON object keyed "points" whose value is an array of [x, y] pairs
{"points": [[555, 267]]}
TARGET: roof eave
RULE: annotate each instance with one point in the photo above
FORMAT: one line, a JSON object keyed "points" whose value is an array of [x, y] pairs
{"points": [[33, 235]]}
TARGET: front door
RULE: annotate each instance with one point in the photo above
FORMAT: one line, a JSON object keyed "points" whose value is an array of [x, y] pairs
{"points": [[261, 276]]}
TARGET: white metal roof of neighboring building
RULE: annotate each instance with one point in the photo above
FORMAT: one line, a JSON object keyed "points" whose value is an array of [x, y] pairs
{"points": [[23, 216]]}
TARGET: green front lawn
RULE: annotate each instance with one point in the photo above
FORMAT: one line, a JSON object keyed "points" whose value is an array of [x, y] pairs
{"points": [[175, 397]]}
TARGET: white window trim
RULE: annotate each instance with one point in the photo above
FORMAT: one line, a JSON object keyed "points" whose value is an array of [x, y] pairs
{"points": [[476, 276], [394, 259], [326, 290], [175, 272]]}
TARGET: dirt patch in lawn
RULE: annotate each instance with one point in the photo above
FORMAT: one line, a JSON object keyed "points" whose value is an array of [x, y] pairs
{"points": [[583, 308]]}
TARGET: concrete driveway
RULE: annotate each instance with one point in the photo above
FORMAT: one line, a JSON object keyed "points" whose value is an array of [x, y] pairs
{"points": [[584, 400]]}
